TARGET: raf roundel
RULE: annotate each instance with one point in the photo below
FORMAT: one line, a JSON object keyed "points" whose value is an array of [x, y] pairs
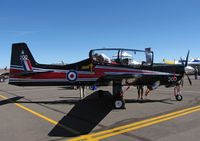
{"points": [[72, 76]]}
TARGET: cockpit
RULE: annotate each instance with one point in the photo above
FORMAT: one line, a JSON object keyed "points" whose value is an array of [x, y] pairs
{"points": [[126, 57]]}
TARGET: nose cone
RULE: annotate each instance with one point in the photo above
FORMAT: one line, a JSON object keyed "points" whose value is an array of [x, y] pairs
{"points": [[189, 69]]}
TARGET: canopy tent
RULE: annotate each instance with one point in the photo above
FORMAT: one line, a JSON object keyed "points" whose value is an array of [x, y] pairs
{"points": [[124, 54]]}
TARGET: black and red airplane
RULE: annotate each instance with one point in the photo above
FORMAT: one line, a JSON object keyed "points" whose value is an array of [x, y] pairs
{"points": [[116, 67]]}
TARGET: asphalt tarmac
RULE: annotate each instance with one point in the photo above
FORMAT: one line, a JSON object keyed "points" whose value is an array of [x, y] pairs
{"points": [[58, 114]]}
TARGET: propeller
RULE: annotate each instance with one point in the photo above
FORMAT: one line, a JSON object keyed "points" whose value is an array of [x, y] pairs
{"points": [[186, 63], [189, 79]]}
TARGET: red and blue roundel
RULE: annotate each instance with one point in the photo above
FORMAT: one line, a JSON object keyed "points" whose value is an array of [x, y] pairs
{"points": [[72, 76]]}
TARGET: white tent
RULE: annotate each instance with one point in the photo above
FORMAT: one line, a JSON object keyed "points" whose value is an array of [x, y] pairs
{"points": [[124, 54], [133, 62]]}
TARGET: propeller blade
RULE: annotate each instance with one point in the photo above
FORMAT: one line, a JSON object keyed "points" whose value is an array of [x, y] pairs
{"points": [[186, 68], [182, 82], [189, 79], [186, 63]]}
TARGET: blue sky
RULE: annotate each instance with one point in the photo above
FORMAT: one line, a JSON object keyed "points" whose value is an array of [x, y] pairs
{"points": [[66, 30]]}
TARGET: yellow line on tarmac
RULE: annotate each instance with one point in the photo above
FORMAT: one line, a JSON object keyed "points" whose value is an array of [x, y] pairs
{"points": [[31, 111], [41, 116], [118, 130], [144, 125], [136, 125]]}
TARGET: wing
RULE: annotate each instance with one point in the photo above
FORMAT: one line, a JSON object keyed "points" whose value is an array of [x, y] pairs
{"points": [[122, 77]]}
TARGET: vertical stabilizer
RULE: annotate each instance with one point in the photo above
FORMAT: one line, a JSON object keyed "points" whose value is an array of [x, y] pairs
{"points": [[21, 57]]}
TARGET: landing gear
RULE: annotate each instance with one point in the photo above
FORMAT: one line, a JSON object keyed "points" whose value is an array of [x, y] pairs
{"points": [[119, 102], [177, 93], [82, 92]]}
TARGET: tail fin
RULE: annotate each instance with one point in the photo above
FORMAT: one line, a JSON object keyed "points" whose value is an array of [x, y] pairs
{"points": [[21, 57]]}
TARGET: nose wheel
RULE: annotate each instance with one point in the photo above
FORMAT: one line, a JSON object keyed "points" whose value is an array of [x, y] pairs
{"points": [[177, 93], [179, 97]]}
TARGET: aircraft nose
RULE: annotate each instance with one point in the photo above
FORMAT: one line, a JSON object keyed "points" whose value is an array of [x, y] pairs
{"points": [[189, 69]]}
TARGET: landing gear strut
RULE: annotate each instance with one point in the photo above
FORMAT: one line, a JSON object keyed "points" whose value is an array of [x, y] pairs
{"points": [[82, 92], [177, 93]]}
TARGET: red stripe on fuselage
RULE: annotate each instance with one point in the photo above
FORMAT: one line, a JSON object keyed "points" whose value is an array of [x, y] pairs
{"points": [[88, 75], [50, 75]]}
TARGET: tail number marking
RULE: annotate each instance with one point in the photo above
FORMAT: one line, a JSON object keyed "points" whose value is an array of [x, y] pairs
{"points": [[172, 79]]}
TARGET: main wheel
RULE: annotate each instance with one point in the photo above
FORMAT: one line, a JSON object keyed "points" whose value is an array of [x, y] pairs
{"points": [[179, 97], [119, 104]]}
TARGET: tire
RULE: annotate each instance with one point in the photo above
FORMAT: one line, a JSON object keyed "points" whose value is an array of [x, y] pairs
{"points": [[179, 97], [119, 104]]}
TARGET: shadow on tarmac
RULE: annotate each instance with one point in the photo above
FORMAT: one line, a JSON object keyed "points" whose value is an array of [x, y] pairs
{"points": [[166, 101], [84, 116], [10, 100], [66, 88]]}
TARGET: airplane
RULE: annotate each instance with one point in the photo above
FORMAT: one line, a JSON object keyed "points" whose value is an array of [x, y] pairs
{"points": [[4, 73], [171, 62], [104, 67], [191, 64]]}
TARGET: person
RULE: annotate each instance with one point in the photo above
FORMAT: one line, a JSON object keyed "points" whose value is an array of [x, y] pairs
{"points": [[148, 90], [100, 58], [140, 90], [196, 72], [95, 56], [5, 68], [106, 59]]}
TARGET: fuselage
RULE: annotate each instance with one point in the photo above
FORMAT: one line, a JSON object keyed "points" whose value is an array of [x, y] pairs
{"points": [[88, 73]]}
